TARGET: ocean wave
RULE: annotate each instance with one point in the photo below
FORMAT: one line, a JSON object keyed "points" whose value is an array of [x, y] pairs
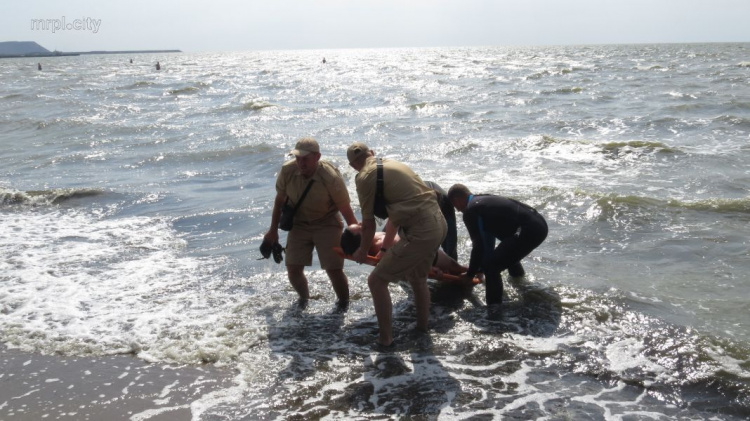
{"points": [[684, 108], [651, 67], [45, 197], [461, 114], [621, 344], [564, 91], [101, 286], [610, 148], [256, 105], [463, 149], [40, 125], [545, 141], [418, 106], [637, 145], [184, 91], [139, 84], [191, 88], [718, 205], [12, 96], [538, 75], [741, 105], [733, 120], [427, 106], [612, 200], [715, 205]]}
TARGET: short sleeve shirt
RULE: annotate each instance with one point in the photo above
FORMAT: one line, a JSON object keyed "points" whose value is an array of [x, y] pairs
{"points": [[406, 195], [327, 194]]}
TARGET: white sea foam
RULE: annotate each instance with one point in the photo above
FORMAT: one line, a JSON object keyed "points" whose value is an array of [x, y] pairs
{"points": [[74, 283], [629, 354]]}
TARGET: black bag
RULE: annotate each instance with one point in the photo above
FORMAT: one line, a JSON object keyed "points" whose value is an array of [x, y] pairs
{"points": [[379, 208], [286, 220]]}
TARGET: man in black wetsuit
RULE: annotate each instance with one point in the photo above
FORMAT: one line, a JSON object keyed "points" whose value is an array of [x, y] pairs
{"points": [[519, 227]]}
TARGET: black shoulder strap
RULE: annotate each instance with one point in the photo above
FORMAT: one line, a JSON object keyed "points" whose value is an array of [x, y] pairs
{"points": [[307, 189], [379, 208]]}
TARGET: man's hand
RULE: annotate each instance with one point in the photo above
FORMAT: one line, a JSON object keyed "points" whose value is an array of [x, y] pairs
{"points": [[272, 236], [360, 256], [466, 279], [380, 254]]}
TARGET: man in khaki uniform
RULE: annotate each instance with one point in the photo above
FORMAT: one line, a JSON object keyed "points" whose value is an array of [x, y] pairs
{"points": [[413, 208], [317, 223]]}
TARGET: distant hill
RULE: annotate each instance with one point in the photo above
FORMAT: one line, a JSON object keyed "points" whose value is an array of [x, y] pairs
{"points": [[15, 48]]}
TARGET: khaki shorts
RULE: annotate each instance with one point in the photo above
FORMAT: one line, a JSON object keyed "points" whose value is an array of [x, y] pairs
{"points": [[323, 236], [411, 258]]}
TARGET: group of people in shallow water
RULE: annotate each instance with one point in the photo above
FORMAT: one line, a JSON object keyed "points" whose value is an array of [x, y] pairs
{"points": [[420, 233]]}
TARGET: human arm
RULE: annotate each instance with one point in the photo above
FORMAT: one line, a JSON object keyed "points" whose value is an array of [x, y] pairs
{"points": [[348, 214], [339, 194], [272, 235], [471, 220], [389, 239], [366, 193], [368, 233], [450, 244]]}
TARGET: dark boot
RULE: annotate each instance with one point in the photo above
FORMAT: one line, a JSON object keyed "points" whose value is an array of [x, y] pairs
{"points": [[516, 270]]}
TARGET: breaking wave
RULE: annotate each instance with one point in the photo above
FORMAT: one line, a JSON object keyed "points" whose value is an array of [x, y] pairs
{"points": [[45, 197]]}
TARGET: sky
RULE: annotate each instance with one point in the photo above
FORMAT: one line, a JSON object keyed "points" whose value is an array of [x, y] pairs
{"points": [[234, 25]]}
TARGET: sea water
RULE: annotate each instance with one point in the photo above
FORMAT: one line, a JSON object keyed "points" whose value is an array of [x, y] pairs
{"points": [[133, 203]]}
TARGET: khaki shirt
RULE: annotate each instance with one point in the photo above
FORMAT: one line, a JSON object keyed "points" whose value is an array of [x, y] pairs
{"points": [[406, 195], [326, 195]]}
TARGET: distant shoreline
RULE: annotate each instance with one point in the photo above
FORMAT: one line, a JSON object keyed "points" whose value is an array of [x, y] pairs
{"points": [[81, 53]]}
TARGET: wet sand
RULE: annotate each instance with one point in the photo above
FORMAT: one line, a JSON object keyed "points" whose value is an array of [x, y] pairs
{"points": [[120, 387]]}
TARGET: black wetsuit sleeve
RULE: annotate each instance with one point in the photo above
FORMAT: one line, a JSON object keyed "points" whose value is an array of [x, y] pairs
{"points": [[471, 220], [450, 244]]}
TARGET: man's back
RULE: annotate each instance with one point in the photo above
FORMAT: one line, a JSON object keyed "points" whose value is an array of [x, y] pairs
{"points": [[499, 215], [406, 195]]}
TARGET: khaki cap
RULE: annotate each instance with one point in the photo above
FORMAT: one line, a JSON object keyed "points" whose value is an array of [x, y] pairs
{"points": [[356, 150], [306, 146]]}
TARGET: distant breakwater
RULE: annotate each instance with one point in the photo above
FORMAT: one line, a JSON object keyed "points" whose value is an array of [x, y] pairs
{"points": [[79, 53]]}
